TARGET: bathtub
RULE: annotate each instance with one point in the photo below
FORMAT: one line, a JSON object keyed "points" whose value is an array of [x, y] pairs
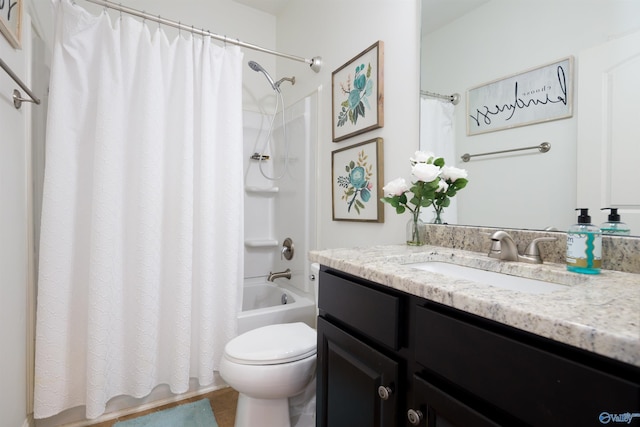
{"points": [[264, 303]]}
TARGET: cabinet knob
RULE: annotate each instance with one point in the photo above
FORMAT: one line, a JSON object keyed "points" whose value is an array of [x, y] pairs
{"points": [[414, 416], [384, 392]]}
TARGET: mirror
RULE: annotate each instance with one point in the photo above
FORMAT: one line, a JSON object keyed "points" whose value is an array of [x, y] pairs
{"points": [[468, 43]]}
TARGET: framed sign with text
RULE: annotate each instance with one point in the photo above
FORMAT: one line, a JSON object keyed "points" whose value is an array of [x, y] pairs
{"points": [[11, 20], [537, 95]]}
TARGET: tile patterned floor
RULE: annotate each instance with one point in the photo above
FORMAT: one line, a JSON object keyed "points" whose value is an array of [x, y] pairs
{"points": [[223, 403]]}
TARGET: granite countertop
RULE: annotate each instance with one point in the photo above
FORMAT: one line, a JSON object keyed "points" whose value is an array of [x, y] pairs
{"points": [[599, 313]]}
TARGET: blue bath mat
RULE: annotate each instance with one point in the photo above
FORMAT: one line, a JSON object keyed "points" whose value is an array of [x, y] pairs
{"points": [[196, 414]]}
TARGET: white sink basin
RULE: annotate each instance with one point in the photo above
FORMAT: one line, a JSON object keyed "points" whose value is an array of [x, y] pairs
{"points": [[490, 278]]}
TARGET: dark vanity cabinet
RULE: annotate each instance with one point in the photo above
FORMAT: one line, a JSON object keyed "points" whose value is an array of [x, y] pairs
{"points": [[358, 362], [387, 358]]}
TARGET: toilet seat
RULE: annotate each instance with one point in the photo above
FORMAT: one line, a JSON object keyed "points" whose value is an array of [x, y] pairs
{"points": [[273, 344]]}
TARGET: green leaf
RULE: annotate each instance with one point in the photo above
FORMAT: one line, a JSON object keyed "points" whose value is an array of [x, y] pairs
{"points": [[400, 210], [432, 186], [460, 183], [439, 162], [360, 109]]}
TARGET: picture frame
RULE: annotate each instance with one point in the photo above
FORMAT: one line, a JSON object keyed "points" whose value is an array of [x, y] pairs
{"points": [[11, 21], [357, 180], [357, 94], [540, 94]]}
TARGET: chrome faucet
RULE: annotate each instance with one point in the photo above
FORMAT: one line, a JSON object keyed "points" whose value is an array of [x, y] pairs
{"points": [[281, 274], [504, 248]]}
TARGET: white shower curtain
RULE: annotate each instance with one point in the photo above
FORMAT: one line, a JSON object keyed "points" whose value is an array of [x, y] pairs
{"points": [[141, 246], [436, 135]]}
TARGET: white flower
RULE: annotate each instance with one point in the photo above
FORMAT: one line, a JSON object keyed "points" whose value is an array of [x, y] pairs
{"points": [[425, 172], [442, 186], [451, 174], [422, 157], [395, 187]]}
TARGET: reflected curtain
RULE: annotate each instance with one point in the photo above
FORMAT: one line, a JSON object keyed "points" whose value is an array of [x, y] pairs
{"points": [[437, 136], [141, 246]]}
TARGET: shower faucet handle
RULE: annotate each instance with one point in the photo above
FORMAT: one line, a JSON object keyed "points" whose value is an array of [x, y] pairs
{"points": [[287, 249]]}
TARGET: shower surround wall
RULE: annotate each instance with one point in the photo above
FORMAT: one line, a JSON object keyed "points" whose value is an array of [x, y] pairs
{"points": [[275, 210]]}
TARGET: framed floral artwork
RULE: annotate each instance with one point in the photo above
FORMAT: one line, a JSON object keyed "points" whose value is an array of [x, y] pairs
{"points": [[11, 20], [358, 94], [357, 177]]}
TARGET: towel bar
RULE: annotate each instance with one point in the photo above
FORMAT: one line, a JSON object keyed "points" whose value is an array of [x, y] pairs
{"points": [[543, 148]]}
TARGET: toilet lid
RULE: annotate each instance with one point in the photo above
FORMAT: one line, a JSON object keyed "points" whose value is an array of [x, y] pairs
{"points": [[273, 344]]}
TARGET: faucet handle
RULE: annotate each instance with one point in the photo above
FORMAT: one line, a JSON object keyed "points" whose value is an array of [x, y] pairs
{"points": [[533, 251], [287, 249]]}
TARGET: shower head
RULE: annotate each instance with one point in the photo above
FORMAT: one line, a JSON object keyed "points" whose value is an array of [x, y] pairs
{"points": [[257, 67]]}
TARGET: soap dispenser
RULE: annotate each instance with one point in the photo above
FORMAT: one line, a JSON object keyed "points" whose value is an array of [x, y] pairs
{"points": [[613, 225], [584, 245]]}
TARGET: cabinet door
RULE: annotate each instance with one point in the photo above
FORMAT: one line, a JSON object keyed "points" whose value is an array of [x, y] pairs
{"points": [[349, 375], [433, 407]]}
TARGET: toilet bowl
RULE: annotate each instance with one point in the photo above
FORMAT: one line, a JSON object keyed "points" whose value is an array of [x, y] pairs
{"points": [[266, 366]]}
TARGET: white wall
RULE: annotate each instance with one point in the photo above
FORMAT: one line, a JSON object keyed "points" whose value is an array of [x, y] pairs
{"points": [[530, 190], [339, 30], [14, 233]]}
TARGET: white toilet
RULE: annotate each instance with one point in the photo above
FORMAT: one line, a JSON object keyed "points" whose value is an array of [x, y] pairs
{"points": [[266, 366]]}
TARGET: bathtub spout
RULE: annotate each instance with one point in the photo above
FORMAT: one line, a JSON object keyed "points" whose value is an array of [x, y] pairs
{"points": [[282, 274]]}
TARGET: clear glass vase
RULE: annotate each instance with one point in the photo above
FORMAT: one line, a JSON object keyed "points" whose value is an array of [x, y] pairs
{"points": [[415, 232], [436, 218]]}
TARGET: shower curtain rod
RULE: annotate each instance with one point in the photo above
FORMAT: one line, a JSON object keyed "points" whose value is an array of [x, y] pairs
{"points": [[454, 99], [315, 63]]}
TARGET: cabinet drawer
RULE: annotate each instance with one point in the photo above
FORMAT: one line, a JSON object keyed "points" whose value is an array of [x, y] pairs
{"points": [[532, 384], [369, 311]]}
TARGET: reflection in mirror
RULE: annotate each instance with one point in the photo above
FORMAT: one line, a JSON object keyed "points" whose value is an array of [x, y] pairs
{"points": [[475, 42]]}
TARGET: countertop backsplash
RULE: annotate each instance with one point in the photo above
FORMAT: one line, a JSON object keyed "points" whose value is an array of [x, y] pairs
{"points": [[618, 253]]}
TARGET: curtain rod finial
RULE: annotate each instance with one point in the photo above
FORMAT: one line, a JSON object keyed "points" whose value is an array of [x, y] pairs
{"points": [[316, 63]]}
